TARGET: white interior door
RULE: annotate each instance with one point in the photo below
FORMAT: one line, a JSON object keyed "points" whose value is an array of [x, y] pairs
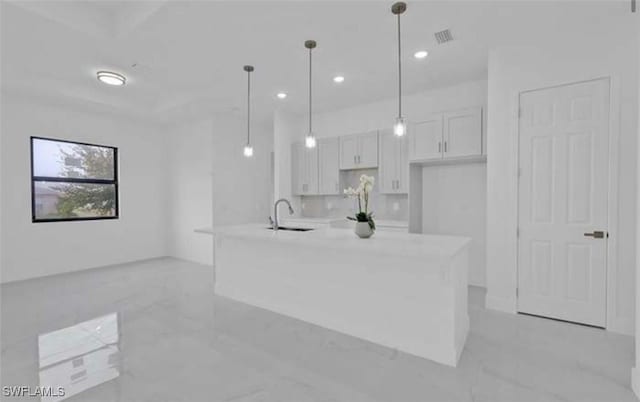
{"points": [[563, 188]]}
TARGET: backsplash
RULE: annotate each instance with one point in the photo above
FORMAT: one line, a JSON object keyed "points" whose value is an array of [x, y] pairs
{"points": [[384, 206]]}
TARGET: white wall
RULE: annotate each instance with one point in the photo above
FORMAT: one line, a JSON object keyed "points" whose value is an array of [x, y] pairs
{"points": [[190, 199], [39, 249], [635, 372], [287, 129], [454, 202], [518, 68], [440, 184], [242, 187], [213, 184]]}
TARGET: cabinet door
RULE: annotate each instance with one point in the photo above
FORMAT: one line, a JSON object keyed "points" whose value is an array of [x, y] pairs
{"points": [[402, 184], [367, 150], [348, 151], [463, 133], [388, 170], [311, 171], [329, 166], [297, 169], [425, 139]]}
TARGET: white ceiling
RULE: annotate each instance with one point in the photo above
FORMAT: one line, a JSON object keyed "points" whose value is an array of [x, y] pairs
{"points": [[185, 57]]}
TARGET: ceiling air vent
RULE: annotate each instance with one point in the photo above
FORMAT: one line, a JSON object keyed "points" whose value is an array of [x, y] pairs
{"points": [[443, 36]]}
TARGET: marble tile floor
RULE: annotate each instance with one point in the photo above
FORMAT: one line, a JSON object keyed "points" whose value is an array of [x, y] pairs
{"points": [[155, 331]]}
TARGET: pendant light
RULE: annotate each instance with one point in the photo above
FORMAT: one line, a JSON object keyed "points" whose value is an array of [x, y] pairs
{"points": [[310, 139], [400, 126], [248, 149]]}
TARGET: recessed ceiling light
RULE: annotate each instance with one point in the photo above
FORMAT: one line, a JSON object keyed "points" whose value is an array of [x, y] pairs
{"points": [[111, 78], [421, 54], [281, 95], [338, 79]]}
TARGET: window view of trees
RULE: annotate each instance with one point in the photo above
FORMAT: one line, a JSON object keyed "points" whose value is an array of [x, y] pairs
{"points": [[73, 181]]}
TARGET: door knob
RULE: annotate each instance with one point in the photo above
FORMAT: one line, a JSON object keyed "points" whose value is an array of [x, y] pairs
{"points": [[596, 234]]}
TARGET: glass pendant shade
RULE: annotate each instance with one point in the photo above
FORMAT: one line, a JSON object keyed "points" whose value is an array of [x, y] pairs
{"points": [[248, 151], [400, 127], [310, 141]]}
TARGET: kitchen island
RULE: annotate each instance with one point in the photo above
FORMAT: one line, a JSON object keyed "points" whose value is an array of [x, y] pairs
{"points": [[405, 291]]}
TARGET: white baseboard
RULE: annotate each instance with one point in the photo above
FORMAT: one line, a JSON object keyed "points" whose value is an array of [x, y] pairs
{"points": [[506, 305], [635, 381], [621, 325]]}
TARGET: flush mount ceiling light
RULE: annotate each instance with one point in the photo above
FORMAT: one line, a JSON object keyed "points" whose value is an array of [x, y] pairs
{"points": [[111, 78], [310, 139], [281, 95], [338, 79], [400, 127], [248, 149], [421, 54]]}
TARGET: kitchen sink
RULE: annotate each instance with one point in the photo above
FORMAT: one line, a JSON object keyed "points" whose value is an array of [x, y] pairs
{"points": [[292, 229]]}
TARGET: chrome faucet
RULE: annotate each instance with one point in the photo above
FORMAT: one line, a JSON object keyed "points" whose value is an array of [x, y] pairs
{"points": [[274, 221]]}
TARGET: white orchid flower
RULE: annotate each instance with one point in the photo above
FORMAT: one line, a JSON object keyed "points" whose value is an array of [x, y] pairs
{"points": [[351, 192]]}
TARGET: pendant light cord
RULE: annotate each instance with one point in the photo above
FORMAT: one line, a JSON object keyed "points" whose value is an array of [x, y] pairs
{"points": [[310, 66], [399, 71], [248, 107]]}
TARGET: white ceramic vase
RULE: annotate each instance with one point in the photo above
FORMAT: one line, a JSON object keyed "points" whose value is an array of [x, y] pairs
{"points": [[363, 230]]}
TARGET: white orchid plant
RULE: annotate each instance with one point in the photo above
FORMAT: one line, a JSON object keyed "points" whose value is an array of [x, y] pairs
{"points": [[362, 194]]}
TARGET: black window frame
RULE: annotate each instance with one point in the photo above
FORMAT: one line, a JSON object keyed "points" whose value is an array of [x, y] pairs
{"points": [[35, 179]]}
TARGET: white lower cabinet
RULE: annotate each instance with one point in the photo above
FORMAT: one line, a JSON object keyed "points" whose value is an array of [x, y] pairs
{"points": [[304, 169], [450, 135], [393, 172]]}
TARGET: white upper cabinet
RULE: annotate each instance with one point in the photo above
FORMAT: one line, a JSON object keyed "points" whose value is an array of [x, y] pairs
{"points": [[348, 152], [425, 139], [463, 133], [368, 150], [329, 166], [449, 135], [304, 169], [393, 172], [359, 151]]}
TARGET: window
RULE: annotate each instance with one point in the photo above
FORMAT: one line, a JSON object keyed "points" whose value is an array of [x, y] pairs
{"points": [[73, 181]]}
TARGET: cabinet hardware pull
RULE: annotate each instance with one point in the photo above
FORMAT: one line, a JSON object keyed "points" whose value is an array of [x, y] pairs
{"points": [[445, 146], [354, 160], [439, 147], [596, 234], [397, 184]]}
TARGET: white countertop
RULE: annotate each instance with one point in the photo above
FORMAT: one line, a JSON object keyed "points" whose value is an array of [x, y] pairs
{"points": [[327, 221], [405, 244], [339, 223]]}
